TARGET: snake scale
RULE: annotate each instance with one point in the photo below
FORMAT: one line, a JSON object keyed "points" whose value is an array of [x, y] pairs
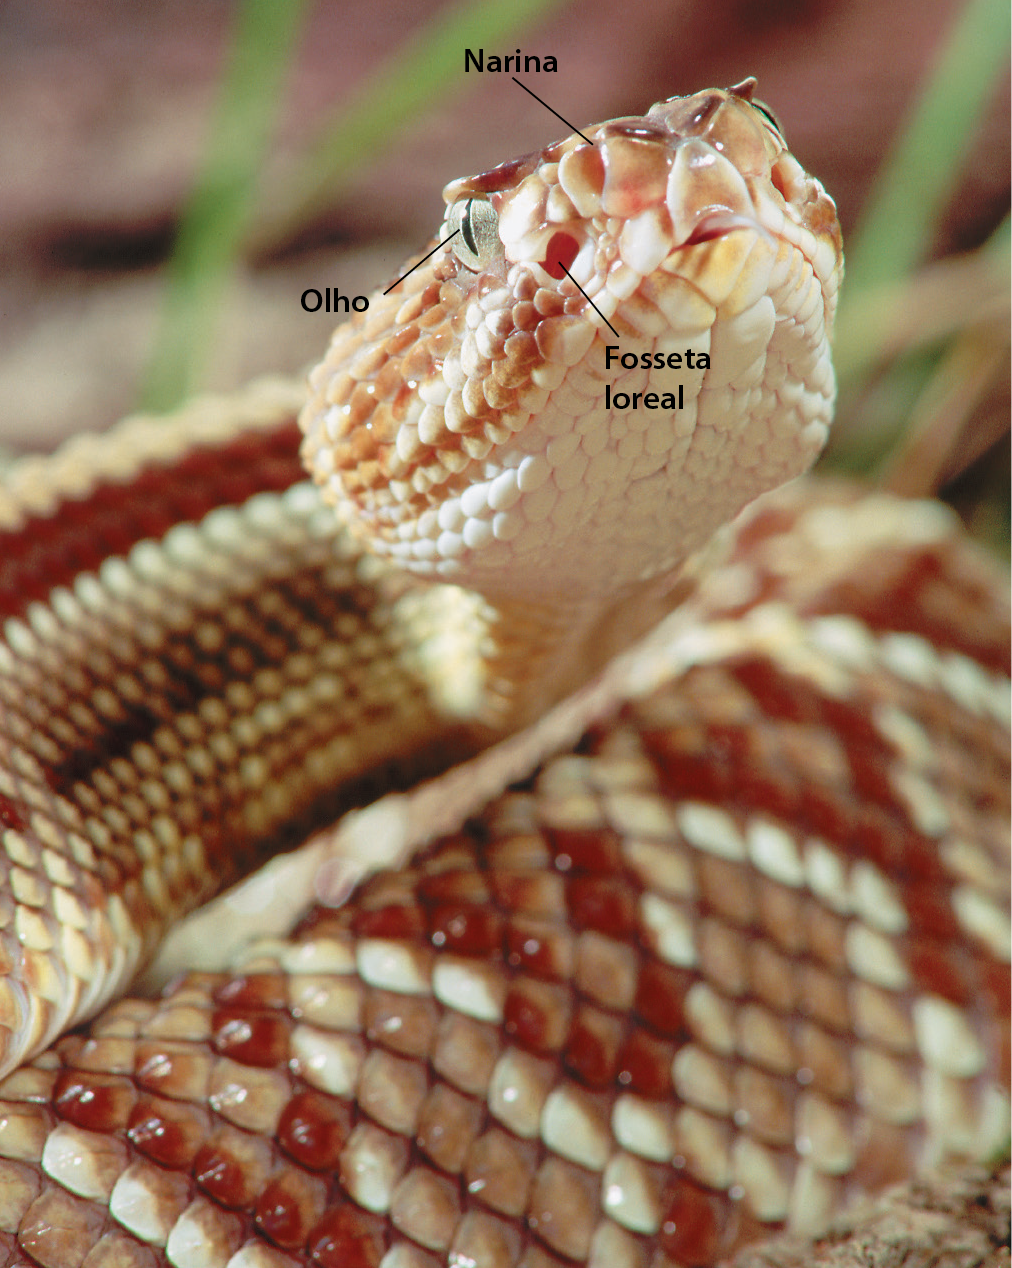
{"points": [[733, 956]]}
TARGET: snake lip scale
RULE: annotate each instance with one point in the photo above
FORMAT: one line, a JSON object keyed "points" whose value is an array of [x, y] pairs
{"points": [[709, 939]]}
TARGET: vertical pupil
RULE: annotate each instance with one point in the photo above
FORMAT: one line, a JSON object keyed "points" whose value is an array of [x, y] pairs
{"points": [[465, 228]]}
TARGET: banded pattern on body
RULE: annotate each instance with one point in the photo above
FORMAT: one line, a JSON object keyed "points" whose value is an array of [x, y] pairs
{"points": [[739, 954], [188, 696]]}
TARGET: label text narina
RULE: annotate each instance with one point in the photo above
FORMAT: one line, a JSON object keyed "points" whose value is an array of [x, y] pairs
{"points": [[512, 61]]}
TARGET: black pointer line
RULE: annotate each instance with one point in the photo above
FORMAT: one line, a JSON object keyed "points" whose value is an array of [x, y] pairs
{"points": [[561, 265], [421, 261], [456, 231], [589, 300], [554, 112]]}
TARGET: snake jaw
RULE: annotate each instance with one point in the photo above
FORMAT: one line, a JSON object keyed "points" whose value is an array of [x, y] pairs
{"points": [[460, 425]]}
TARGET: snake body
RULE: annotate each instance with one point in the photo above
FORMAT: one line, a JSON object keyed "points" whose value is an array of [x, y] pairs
{"points": [[737, 955]]}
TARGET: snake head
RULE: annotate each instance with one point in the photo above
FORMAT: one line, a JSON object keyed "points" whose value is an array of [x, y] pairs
{"points": [[462, 425]]}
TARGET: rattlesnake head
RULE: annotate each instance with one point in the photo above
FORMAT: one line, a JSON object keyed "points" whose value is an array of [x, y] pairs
{"points": [[461, 424]]}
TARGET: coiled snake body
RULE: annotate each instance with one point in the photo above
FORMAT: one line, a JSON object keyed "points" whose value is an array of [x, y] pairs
{"points": [[738, 954]]}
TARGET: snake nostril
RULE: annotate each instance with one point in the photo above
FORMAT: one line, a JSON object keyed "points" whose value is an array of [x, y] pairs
{"points": [[788, 178], [562, 250]]}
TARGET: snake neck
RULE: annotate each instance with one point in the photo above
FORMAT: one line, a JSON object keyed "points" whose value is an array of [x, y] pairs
{"points": [[538, 653]]}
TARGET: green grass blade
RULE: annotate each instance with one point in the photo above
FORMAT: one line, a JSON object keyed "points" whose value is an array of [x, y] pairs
{"points": [[921, 312], [420, 72], [220, 208], [220, 217], [916, 183]]}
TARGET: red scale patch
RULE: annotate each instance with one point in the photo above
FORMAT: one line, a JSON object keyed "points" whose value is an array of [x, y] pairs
{"points": [[254, 1038], [536, 1015], [941, 971], [777, 695], [397, 921], [460, 887], [997, 983], [1002, 1048], [285, 1212], [869, 773], [930, 912], [921, 862], [522, 891], [644, 1064], [347, 1238], [313, 1129], [660, 993], [51, 550], [695, 1228], [762, 783], [537, 950], [705, 775], [169, 1134], [224, 1179], [850, 725], [95, 1103], [878, 838], [10, 815], [474, 931], [824, 813], [256, 990], [729, 744], [587, 852], [601, 904], [591, 1054]]}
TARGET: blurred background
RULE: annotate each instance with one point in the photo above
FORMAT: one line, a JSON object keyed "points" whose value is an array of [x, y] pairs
{"points": [[173, 175]]}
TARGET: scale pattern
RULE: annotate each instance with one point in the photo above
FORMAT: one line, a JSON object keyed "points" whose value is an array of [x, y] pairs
{"points": [[196, 689], [741, 954], [738, 955]]}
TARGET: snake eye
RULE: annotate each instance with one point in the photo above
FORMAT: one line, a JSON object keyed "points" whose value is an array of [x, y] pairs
{"points": [[477, 244], [767, 113]]}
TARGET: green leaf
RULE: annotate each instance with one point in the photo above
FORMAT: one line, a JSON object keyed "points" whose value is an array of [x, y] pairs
{"points": [[222, 211], [920, 177], [422, 71], [220, 208]]}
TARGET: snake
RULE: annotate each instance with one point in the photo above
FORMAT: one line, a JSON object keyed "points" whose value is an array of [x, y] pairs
{"points": [[694, 923]]}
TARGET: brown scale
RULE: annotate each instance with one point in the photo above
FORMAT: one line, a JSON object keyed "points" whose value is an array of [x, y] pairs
{"points": [[587, 1005], [413, 334], [266, 629], [261, 1106], [51, 550], [118, 739]]}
